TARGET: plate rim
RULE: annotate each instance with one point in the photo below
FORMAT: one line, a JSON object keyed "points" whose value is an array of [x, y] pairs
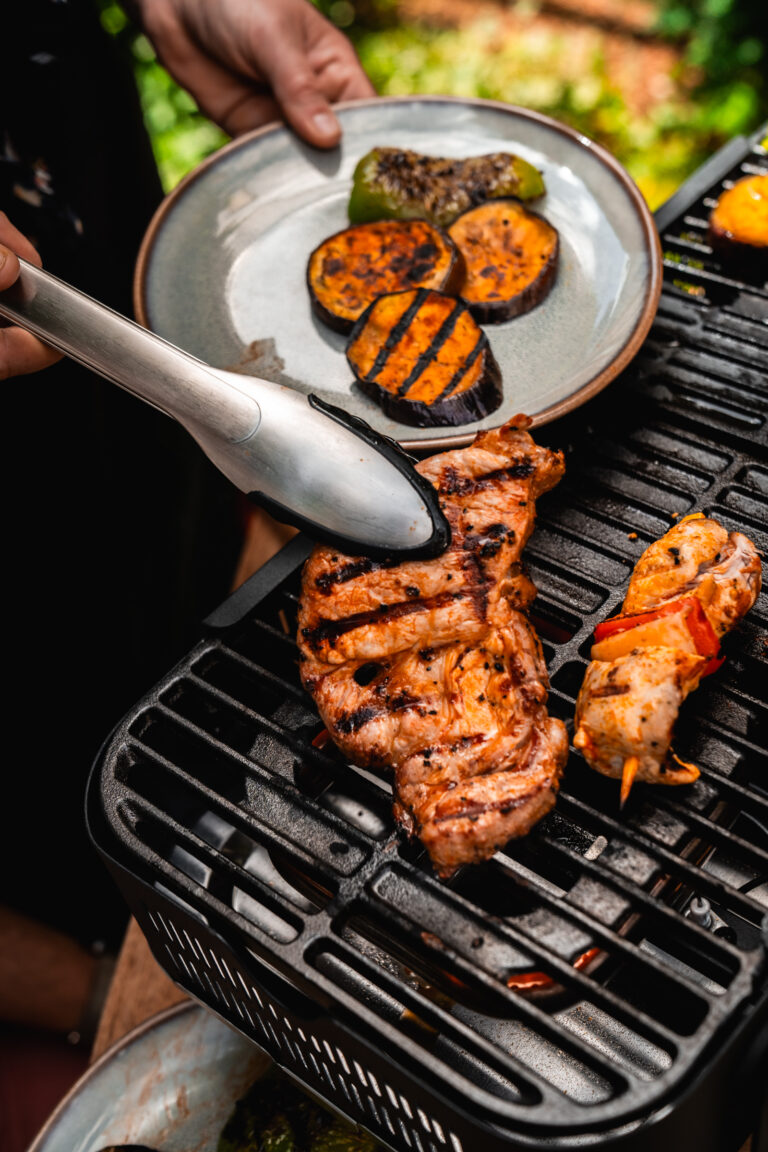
{"points": [[554, 411], [93, 1070]]}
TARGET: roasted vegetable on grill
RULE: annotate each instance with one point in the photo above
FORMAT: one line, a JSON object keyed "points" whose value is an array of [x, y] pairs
{"points": [[687, 590], [433, 669], [276, 1116], [424, 360], [351, 268], [397, 183], [510, 257], [738, 224]]}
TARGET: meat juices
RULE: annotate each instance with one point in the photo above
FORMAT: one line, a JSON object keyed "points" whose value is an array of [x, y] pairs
{"points": [[432, 667]]}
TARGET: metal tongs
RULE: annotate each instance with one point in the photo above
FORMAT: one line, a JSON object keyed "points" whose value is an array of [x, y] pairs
{"points": [[307, 462]]}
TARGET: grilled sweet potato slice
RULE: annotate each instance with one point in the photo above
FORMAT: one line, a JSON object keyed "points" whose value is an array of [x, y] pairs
{"points": [[510, 255], [738, 224], [351, 268], [424, 359]]}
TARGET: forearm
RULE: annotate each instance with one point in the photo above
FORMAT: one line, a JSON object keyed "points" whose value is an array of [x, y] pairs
{"points": [[46, 978]]}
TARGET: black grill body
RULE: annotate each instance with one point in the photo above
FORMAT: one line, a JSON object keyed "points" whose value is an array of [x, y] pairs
{"points": [[602, 981]]}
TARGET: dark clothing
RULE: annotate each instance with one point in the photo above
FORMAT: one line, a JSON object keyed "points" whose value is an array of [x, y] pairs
{"points": [[119, 534]]}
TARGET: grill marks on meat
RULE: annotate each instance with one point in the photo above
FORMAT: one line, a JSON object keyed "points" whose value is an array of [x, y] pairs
{"points": [[432, 668], [627, 707]]}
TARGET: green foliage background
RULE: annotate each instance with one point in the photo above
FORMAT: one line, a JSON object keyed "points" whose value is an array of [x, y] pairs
{"points": [[721, 90]]}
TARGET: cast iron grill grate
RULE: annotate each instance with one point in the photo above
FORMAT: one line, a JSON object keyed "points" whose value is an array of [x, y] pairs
{"points": [[587, 976]]}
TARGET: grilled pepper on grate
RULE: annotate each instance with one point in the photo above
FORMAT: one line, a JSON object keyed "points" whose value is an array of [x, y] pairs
{"points": [[432, 668], [687, 590]]}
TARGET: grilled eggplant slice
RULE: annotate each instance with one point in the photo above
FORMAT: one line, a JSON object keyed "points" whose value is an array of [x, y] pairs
{"points": [[351, 268], [423, 358], [738, 225], [396, 183], [510, 256]]}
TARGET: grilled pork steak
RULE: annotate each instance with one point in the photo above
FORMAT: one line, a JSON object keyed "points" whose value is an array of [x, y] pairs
{"points": [[432, 667]]}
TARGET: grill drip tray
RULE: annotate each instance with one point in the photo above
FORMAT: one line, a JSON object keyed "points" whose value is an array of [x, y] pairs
{"points": [[602, 981]]}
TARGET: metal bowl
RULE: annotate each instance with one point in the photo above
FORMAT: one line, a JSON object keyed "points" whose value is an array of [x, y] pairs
{"points": [[170, 1084]]}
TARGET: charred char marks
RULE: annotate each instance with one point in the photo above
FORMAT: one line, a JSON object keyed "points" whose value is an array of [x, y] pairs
{"points": [[473, 810], [326, 580], [404, 702], [610, 690], [351, 722], [488, 542], [477, 586], [330, 630], [366, 673], [452, 483]]}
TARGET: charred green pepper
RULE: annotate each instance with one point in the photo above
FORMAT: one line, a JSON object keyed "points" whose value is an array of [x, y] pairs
{"points": [[396, 183], [276, 1116]]}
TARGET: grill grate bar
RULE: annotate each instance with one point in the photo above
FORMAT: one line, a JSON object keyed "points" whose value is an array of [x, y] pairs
{"points": [[570, 976], [716, 834], [686, 929], [443, 1022], [269, 677], [202, 853], [749, 800], [548, 1027], [698, 879], [291, 809]]}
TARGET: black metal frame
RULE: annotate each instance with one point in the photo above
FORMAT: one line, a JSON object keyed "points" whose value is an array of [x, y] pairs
{"points": [[271, 885]]}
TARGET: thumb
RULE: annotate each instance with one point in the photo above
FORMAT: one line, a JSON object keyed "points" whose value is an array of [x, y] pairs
{"points": [[9, 267], [305, 107]]}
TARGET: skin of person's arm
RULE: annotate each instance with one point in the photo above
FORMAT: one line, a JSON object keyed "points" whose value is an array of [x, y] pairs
{"points": [[45, 977], [249, 62]]}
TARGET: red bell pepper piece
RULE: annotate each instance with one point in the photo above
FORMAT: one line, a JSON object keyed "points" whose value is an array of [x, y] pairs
{"points": [[702, 633]]}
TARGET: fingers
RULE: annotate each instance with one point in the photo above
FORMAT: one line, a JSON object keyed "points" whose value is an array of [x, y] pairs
{"points": [[304, 89], [249, 62], [20, 351], [307, 83], [11, 238], [309, 113], [9, 268]]}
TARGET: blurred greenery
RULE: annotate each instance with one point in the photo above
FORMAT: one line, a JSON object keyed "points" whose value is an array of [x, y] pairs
{"points": [[718, 88], [181, 136]]}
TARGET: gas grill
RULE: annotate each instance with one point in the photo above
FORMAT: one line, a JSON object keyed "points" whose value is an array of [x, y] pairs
{"points": [[602, 981]]}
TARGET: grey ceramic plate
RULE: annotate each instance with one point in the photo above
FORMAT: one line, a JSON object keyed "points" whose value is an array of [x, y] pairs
{"points": [[222, 269], [170, 1084]]}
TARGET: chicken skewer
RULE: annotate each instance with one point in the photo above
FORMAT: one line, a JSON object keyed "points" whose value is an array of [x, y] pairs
{"points": [[432, 667], [687, 590]]}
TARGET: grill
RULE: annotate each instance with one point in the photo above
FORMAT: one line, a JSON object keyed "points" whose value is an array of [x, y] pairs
{"points": [[602, 981]]}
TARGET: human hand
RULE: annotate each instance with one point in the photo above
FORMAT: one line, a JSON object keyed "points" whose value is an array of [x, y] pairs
{"points": [[248, 62], [20, 351]]}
